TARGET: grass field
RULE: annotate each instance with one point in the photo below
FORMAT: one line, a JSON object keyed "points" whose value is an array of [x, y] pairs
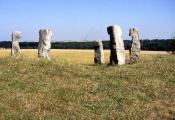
{"points": [[71, 86]]}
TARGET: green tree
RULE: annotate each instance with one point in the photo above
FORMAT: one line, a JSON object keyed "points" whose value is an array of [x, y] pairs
{"points": [[173, 43]]}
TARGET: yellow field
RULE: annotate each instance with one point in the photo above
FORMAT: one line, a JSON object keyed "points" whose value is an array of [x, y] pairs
{"points": [[74, 55]]}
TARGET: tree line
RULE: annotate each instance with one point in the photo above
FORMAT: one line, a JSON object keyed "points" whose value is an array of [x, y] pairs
{"points": [[153, 45]]}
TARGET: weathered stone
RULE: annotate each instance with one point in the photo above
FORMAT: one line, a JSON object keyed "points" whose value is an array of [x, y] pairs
{"points": [[135, 48], [44, 43], [117, 55], [98, 50], [15, 44]]}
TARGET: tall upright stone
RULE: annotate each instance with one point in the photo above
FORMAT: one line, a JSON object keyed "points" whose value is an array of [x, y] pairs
{"points": [[117, 55], [135, 48], [15, 44], [44, 43], [98, 50]]}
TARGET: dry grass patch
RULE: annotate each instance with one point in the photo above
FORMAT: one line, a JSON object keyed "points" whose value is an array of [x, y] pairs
{"points": [[75, 55]]}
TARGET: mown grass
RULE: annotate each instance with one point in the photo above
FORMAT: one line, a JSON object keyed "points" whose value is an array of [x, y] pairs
{"points": [[71, 87]]}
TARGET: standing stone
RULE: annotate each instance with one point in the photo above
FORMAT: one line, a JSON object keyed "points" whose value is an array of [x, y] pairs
{"points": [[98, 50], [44, 43], [135, 48], [15, 44], [117, 55]]}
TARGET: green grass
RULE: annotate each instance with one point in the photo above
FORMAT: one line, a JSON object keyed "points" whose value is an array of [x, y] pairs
{"points": [[54, 89]]}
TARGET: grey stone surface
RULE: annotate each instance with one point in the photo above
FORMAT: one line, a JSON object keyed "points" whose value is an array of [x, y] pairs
{"points": [[98, 50], [135, 48], [44, 43], [117, 55], [15, 44]]}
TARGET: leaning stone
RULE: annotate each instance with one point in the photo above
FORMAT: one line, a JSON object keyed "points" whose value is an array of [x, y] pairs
{"points": [[135, 48], [117, 55], [44, 43], [15, 44], [98, 50]]}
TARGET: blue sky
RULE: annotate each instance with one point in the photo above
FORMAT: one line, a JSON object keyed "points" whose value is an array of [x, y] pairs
{"points": [[86, 19]]}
